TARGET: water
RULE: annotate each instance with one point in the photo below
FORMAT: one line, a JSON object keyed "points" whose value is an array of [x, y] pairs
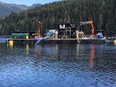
{"points": [[3, 39], [57, 65]]}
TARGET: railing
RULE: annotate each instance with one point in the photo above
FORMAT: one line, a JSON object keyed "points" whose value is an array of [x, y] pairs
{"points": [[111, 38]]}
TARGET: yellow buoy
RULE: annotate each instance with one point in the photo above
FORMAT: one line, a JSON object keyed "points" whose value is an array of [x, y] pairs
{"points": [[114, 42], [27, 37], [11, 43]]}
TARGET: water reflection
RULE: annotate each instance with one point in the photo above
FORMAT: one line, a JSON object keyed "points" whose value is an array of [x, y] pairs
{"points": [[60, 65], [38, 49], [54, 51], [78, 50], [92, 55], [27, 49], [48, 52]]}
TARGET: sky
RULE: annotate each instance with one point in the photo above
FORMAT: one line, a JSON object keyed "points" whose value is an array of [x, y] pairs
{"points": [[27, 2]]}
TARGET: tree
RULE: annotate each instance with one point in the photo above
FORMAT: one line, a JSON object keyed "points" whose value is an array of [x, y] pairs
{"points": [[100, 21]]}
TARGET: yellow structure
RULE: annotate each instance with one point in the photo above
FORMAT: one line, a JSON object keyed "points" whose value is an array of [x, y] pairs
{"points": [[27, 37], [114, 42], [10, 43]]}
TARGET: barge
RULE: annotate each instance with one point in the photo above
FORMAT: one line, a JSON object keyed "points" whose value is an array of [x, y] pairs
{"points": [[66, 33], [57, 41]]}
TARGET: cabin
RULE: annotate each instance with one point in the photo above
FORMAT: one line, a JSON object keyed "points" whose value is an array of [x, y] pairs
{"points": [[66, 30], [23, 35]]}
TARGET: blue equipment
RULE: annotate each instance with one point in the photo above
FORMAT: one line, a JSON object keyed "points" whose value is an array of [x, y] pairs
{"points": [[49, 34]]}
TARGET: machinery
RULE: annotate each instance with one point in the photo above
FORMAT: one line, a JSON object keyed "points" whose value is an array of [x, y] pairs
{"points": [[39, 24], [92, 27], [66, 30]]}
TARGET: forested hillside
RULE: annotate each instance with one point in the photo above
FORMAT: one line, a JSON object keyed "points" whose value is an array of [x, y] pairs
{"points": [[101, 12]]}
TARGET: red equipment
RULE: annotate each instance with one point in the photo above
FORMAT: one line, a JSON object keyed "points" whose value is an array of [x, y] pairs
{"points": [[39, 25], [39, 35], [91, 23]]}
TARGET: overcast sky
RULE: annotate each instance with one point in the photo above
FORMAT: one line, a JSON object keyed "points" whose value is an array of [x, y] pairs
{"points": [[27, 2]]}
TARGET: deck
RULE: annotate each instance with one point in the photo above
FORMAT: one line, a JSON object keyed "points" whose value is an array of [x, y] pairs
{"points": [[53, 41]]}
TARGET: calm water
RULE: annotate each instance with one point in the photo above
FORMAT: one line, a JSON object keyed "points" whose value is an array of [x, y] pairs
{"points": [[57, 65]]}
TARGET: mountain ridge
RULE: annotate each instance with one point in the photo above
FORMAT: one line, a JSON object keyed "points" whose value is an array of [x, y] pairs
{"points": [[6, 9]]}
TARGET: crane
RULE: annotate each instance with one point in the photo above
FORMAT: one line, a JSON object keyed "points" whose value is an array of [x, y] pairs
{"points": [[39, 25], [92, 26]]}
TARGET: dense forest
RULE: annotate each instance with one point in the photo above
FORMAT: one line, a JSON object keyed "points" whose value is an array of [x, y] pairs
{"points": [[101, 12]]}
